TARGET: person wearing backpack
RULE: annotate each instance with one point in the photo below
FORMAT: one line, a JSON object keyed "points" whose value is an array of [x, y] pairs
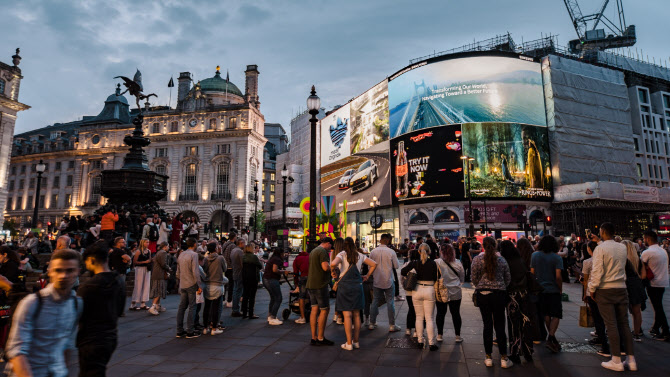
{"points": [[150, 232], [55, 311]]}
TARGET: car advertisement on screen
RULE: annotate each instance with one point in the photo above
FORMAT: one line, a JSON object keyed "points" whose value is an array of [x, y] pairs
{"points": [[511, 160], [335, 136], [427, 164], [370, 118], [359, 178], [466, 90]]}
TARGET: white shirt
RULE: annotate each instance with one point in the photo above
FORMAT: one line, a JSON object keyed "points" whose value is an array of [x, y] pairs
{"points": [[386, 261], [609, 266], [344, 265], [657, 260]]}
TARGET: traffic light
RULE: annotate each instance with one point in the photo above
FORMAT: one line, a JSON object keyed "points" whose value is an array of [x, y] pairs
{"points": [[547, 220], [475, 215]]}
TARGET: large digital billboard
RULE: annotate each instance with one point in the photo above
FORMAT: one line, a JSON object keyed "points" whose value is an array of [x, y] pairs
{"points": [[504, 160], [370, 118], [335, 139], [466, 90], [360, 172]]}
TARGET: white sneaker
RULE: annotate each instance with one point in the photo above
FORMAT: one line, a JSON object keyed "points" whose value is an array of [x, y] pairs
{"points": [[372, 326], [366, 323], [335, 318], [394, 328], [488, 361], [399, 298], [229, 304], [162, 308], [632, 366], [276, 322], [459, 339], [506, 362], [593, 334], [408, 332], [301, 321], [340, 321], [611, 365], [357, 346], [439, 337], [347, 347], [414, 334], [153, 311], [216, 331], [270, 318]]}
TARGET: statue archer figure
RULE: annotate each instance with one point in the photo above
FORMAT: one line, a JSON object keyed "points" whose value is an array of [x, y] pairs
{"points": [[135, 88]]}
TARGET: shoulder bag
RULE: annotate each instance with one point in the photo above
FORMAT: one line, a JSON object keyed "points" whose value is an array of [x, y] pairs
{"points": [[410, 281], [341, 276], [441, 291]]}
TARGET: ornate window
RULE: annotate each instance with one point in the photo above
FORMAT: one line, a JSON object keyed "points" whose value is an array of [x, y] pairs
{"points": [[232, 123], [160, 169], [254, 171], [222, 178], [96, 182], [191, 180], [2, 86], [174, 127], [155, 128], [212, 124], [54, 201]]}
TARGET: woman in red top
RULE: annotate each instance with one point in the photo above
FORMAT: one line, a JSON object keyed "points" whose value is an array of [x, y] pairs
{"points": [[177, 227]]}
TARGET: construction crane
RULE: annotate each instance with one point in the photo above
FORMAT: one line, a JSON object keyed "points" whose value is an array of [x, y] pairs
{"points": [[592, 38]]}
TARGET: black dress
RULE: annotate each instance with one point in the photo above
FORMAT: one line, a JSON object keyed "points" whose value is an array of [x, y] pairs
{"points": [[636, 293]]}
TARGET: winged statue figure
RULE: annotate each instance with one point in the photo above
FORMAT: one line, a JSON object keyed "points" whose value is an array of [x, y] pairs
{"points": [[134, 88]]}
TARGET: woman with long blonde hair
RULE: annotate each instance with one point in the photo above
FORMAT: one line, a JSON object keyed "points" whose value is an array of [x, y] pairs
{"points": [[423, 296], [142, 261], [636, 294], [350, 297]]}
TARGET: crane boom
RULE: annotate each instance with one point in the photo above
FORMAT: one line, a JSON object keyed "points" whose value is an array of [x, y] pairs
{"points": [[589, 37]]}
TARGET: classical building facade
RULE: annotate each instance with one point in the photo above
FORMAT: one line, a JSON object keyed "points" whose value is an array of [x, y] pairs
{"points": [[10, 82], [211, 146]]}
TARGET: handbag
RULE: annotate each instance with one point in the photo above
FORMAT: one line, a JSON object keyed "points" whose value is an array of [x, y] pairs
{"points": [[441, 291], [649, 272], [475, 301], [585, 316], [409, 284]]}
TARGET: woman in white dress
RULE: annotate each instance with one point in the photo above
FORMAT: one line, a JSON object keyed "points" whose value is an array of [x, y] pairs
{"points": [[141, 261], [164, 231]]}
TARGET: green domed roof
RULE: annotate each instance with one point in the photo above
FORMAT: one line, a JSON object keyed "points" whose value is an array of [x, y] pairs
{"points": [[219, 84]]}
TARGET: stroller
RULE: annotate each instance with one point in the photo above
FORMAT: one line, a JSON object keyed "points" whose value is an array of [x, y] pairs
{"points": [[294, 303]]}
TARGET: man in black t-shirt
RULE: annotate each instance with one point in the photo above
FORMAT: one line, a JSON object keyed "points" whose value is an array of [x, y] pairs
{"points": [[97, 336], [119, 258], [433, 247]]}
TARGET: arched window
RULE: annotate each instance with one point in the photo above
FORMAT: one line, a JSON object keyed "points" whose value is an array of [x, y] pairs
{"points": [[155, 128], [418, 218], [160, 169], [446, 216], [222, 178], [96, 182], [190, 181], [174, 127]]}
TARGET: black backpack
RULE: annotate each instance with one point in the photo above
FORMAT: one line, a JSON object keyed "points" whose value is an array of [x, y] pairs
{"points": [[153, 233]]}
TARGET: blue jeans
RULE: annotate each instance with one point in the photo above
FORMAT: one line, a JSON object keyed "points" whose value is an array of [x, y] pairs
{"points": [[273, 287], [238, 288], [390, 304], [187, 300]]}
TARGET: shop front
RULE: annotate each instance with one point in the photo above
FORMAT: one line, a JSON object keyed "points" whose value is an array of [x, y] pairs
{"points": [[358, 226]]}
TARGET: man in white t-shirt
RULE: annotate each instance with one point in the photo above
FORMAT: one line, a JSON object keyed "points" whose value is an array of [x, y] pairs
{"points": [[386, 261], [656, 259]]}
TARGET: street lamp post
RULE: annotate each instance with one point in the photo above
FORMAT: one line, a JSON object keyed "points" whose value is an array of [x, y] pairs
{"points": [[313, 105], [40, 168], [255, 207], [284, 177], [468, 160], [374, 204]]}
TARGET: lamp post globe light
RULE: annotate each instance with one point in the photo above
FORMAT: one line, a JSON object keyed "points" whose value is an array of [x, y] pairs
{"points": [[313, 105], [40, 168], [468, 162]]}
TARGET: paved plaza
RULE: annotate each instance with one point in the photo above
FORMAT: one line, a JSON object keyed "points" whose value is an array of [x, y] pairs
{"points": [[148, 347]]}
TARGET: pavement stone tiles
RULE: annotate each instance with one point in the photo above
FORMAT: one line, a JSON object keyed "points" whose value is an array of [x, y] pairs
{"points": [[147, 347]]}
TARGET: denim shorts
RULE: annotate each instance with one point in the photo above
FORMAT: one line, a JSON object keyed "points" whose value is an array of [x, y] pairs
{"points": [[319, 297], [302, 286]]}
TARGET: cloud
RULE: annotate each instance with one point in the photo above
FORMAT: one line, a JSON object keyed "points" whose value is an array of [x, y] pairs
{"points": [[253, 14]]}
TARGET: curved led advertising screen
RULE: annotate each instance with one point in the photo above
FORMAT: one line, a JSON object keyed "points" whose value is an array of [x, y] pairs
{"points": [[466, 90]]}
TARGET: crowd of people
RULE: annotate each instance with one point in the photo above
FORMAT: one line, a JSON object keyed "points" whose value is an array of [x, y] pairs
{"points": [[518, 289]]}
